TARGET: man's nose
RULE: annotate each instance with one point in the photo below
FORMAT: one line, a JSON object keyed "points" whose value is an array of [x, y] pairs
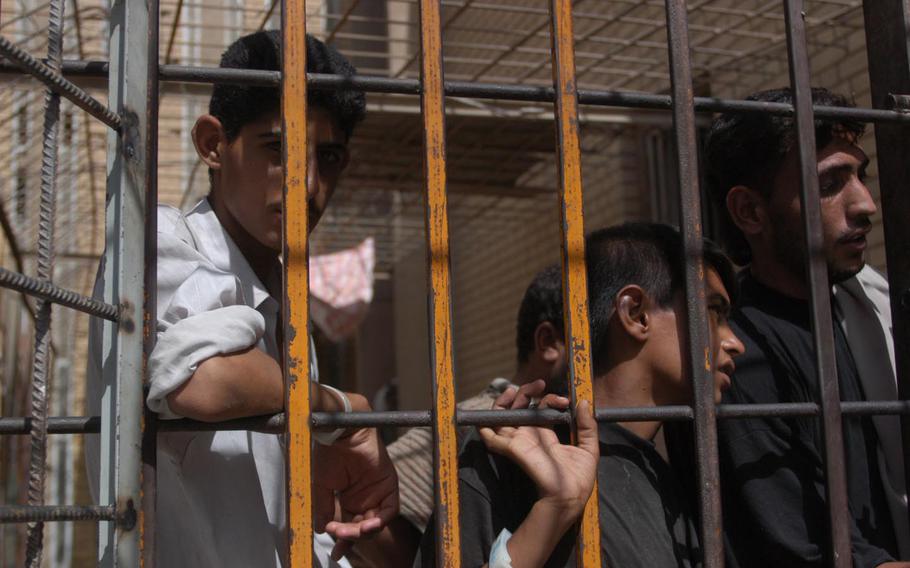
{"points": [[861, 203], [731, 344]]}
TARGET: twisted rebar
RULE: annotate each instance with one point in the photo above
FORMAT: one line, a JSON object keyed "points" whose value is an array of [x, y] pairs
{"points": [[67, 298], [57, 83], [45, 267]]}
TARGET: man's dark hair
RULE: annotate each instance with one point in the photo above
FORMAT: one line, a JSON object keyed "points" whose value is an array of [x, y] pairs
{"points": [[749, 148], [649, 255], [238, 105], [542, 302]]}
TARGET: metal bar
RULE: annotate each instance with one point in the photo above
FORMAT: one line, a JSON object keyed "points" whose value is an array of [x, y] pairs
{"points": [[423, 418], [575, 281], [41, 373], [699, 360], [149, 435], [467, 89], [173, 35], [819, 288], [888, 48], [55, 81], [49, 292], [51, 513], [432, 102], [296, 280], [124, 273]]}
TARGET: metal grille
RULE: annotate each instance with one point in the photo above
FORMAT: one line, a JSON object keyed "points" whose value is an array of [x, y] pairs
{"points": [[504, 73]]}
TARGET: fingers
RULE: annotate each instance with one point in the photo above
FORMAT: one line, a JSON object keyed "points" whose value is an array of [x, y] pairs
{"points": [[554, 401], [323, 507], [587, 428], [505, 399], [527, 391]]}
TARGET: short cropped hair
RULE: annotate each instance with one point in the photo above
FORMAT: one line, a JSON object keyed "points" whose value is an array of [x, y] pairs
{"points": [[541, 303], [238, 105], [749, 148], [649, 255]]}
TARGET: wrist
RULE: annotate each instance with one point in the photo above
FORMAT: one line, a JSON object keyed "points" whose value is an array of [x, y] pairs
{"points": [[563, 512]]}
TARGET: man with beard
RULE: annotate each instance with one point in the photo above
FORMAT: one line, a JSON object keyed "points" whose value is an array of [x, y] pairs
{"points": [[772, 469]]}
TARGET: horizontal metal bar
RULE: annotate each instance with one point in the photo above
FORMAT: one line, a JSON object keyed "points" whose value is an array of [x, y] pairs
{"points": [[50, 513], [58, 84], [421, 418], [493, 91], [68, 298]]}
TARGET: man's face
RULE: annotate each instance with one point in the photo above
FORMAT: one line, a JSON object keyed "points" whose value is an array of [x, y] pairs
{"points": [[846, 208], [252, 174], [673, 385]]}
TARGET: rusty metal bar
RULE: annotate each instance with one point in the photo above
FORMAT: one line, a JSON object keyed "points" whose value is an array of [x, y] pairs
{"points": [[699, 360], [493, 91], [432, 102], [575, 282], [55, 81], [819, 288], [149, 440], [295, 310], [56, 513], [41, 357], [12, 426], [47, 291]]}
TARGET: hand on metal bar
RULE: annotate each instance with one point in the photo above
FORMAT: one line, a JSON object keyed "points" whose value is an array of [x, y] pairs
{"points": [[356, 472], [563, 474]]}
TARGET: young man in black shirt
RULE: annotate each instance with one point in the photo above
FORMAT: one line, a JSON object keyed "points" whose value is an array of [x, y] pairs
{"points": [[522, 489], [771, 468]]}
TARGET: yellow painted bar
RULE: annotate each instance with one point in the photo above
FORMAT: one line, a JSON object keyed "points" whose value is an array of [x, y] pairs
{"points": [[296, 305], [446, 449], [575, 281]]}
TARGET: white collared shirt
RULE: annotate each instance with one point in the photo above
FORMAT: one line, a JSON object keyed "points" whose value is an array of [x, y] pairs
{"points": [[221, 495]]}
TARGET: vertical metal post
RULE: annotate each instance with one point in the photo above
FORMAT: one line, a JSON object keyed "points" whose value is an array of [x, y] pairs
{"points": [[448, 543], [819, 288], [41, 366], [699, 357], [888, 49], [150, 419], [124, 275], [575, 281], [296, 281]]}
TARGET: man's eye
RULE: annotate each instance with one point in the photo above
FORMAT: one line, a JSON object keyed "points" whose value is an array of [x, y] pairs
{"points": [[329, 157]]}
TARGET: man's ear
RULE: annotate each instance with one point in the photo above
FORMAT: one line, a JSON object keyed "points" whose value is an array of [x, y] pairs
{"points": [[548, 342], [747, 208], [209, 139], [632, 312]]}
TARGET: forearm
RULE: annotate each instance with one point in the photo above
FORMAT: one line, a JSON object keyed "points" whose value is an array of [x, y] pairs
{"points": [[537, 536], [241, 384]]}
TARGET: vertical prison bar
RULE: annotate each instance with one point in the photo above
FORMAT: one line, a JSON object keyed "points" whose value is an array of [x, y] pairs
{"points": [[295, 311], [432, 103], [699, 362], [887, 25], [123, 343], [41, 362], [575, 281], [149, 479], [819, 287]]}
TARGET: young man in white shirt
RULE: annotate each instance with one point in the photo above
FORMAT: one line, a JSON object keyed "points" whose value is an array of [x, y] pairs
{"points": [[221, 495]]}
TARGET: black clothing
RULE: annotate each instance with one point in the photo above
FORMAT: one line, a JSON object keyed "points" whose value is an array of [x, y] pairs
{"points": [[772, 474], [642, 518]]}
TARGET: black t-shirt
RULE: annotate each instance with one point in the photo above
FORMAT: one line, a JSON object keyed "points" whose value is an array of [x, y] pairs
{"points": [[642, 518], [772, 474]]}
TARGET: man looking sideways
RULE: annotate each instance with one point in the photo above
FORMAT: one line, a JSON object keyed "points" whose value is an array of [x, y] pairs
{"points": [[523, 488], [771, 468], [221, 494]]}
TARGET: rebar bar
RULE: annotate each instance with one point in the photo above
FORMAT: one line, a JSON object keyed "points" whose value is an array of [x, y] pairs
{"points": [[47, 291], [45, 268], [55, 81]]}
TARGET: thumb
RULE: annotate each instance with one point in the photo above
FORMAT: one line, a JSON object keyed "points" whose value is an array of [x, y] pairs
{"points": [[587, 428]]}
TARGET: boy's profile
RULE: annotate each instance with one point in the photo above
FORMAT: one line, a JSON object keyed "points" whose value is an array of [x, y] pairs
{"points": [[522, 489], [221, 494]]}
